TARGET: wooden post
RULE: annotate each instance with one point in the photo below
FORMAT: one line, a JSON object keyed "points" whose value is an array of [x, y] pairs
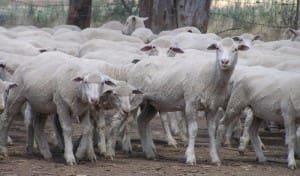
{"points": [[79, 13]]}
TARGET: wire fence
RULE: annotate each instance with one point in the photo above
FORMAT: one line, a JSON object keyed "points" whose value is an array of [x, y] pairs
{"points": [[228, 17]]}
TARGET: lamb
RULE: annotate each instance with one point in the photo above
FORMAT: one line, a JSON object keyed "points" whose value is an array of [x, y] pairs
{"points": [[70, 90], [133, 23], [271, 95], [199, 85]]}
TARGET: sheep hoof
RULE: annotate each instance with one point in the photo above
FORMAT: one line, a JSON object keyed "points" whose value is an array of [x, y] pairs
{"points": [[172, 143], [292, 166]]}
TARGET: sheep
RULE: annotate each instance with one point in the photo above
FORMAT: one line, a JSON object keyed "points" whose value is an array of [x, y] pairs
{"points": [[271, 95], [71, 36], [54, 83], [288, 50], [114, 25], [115, 57], [5, 87], [66, 26], [133, 23], [106, 34], [163, 41], [199, 85], [96, 44], [247, 39], [189, 40], [18, 47], [145, 34], [173, 32], [120, 101], [273, 45]]}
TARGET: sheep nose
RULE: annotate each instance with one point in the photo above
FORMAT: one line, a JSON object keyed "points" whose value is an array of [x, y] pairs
{"points": [[224, 61], [94, 101]]}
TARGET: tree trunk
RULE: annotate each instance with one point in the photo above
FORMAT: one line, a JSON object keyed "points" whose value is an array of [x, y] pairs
{"points": [[163, 15], [193, 13], [145, 10], [79, 13]]}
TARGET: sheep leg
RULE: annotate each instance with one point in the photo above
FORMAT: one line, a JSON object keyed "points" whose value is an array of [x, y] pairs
{"points": [[253, 133], [126, 141], [212, 121], [147, 114], [40, 136], [66, 124], [101, 133], [297, 148], [29, 120], [289, 124], [168, 135], [191, 115], [59, 139], [182, 126], [229, 132], [174, 122], [86, 142], [14, 104], [113, 133]]}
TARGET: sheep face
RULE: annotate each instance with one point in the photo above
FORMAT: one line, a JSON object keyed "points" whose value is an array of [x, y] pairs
{"points": [[4, 90], [227, 53], [150, 50], [92, 87], [132, 23], [246, 39], [122, 97]]}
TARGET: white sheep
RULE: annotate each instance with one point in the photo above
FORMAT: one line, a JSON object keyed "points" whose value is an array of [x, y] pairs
{"points": [[185, 85], [133, 23], [271, 95], [145, 34], [114, 25], [54, 83], [176, 31]]}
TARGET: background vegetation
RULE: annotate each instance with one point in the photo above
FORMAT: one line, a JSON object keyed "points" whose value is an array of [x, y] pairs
{"points": [[270, 18]]}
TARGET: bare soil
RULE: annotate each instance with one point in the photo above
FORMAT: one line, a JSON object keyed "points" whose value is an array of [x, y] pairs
{"points": [[170, 161]]}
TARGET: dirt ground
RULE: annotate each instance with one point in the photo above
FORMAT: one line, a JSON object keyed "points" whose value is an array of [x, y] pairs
{"points": [[170, 161]]}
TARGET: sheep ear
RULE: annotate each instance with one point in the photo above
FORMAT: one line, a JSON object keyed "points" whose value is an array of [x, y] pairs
{"points": [[146, 48], [133, 19], [190, 31], [177, 50], [213, 47], [106, 80], [2, 64], [12, 85], [243, 47], [134, 61], [144, 18], [108, 92], [257, 37], [43, 50], [236, 38], [137, 91], [77, 79]]}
